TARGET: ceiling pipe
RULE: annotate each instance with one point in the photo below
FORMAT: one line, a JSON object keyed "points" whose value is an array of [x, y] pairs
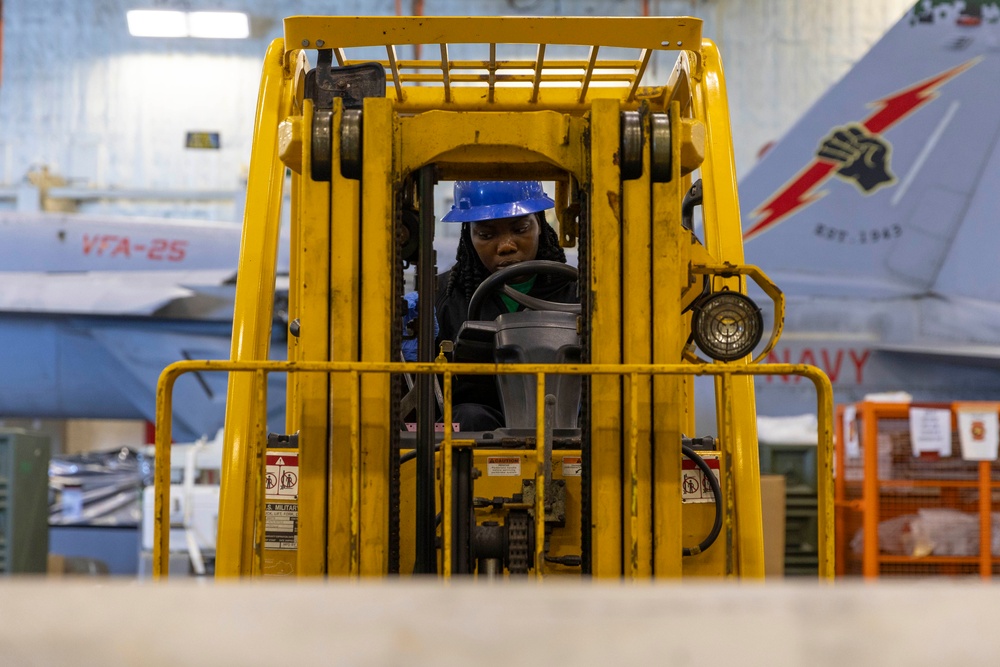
{"points": [[418, 10]]}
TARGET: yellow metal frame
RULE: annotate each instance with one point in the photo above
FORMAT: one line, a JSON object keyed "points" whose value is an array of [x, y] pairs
{"points": [[256, 370], [472, 117]]}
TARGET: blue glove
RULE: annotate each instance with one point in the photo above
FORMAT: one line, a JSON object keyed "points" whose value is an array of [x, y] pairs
{"points": [[409, 345]]}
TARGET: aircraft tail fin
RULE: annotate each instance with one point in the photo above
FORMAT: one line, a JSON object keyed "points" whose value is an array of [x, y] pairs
{"points": [[876, 190]]}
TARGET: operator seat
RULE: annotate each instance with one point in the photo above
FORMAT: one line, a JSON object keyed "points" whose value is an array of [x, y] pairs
{"points": [[528, 337]]}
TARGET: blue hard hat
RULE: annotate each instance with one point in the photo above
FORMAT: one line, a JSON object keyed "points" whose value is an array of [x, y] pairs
{"points": [[491, 200]]}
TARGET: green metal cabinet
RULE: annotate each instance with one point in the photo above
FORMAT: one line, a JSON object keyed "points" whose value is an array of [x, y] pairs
{"points": [[24, 502], [797, 462]]}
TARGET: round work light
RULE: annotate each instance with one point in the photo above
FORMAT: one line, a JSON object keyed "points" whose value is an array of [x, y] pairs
{"points": [[727, 325]]}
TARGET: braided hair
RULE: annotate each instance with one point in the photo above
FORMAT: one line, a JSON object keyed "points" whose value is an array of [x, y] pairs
{"points": [[469, 271]]}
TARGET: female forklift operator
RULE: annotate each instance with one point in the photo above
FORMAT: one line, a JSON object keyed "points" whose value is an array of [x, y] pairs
{"points": [[503, 223]]}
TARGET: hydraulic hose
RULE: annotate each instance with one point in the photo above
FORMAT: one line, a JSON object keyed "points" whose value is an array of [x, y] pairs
{"points": [[412, 454], [716, 491]]}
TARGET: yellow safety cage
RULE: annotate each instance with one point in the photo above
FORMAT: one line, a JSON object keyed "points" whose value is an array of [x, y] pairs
{"points": [[366, 134]]}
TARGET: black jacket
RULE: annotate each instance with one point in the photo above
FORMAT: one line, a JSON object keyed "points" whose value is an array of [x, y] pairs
{"points": [[452, 312]]}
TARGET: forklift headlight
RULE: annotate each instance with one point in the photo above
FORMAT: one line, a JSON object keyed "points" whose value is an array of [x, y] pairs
{"points": [[727, 325]]}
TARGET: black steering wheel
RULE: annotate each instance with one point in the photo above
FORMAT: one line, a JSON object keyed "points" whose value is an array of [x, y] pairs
{"points": [[499, 280]]}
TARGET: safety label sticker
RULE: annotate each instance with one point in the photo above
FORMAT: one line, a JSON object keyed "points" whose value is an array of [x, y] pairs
{"points": [[281, 476], [695, 487], [572, 466], [281, 526], [503, 466]]}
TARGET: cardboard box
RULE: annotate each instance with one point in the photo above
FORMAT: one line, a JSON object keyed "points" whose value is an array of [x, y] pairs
{"points": [[772, 500], [61, 566]]}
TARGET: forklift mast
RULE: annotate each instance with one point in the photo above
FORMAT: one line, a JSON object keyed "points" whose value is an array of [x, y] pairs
{"points": [[393, 107]]}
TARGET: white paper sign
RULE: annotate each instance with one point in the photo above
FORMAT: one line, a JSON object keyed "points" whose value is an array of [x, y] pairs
{"points": [[978, 432], [852, 443], [930, 431]]}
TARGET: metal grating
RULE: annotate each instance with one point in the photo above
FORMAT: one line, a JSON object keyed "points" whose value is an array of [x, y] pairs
{"points": [[617, 56]]}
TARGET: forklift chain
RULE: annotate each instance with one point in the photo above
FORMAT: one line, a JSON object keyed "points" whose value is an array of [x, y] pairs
{"points": [[396, 393], [518, 523]]}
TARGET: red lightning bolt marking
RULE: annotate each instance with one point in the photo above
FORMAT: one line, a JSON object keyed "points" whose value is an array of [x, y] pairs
{"points": [[891, 110]]}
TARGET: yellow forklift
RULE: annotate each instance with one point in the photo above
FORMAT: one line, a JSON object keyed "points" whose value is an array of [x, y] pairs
{"points": [[598, 471]]}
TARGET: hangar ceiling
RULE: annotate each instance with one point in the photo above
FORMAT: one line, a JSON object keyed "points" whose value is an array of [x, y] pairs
{"points": [[100, 108]]}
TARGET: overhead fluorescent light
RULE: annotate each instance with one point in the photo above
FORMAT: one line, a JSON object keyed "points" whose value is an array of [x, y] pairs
{"points": [[224, 25], [162, 23], [156, 23]]}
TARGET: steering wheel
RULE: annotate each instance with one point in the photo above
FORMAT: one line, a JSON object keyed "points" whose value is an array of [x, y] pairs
{"points": [[500, 278]]}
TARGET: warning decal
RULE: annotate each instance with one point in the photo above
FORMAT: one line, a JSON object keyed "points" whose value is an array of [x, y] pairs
{"points": [[695, 487], [281, 480], [281, 526], [572, 466], [503, 466]]}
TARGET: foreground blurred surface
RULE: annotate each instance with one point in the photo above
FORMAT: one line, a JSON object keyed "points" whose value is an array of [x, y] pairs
{"points": [[98, 622]]}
